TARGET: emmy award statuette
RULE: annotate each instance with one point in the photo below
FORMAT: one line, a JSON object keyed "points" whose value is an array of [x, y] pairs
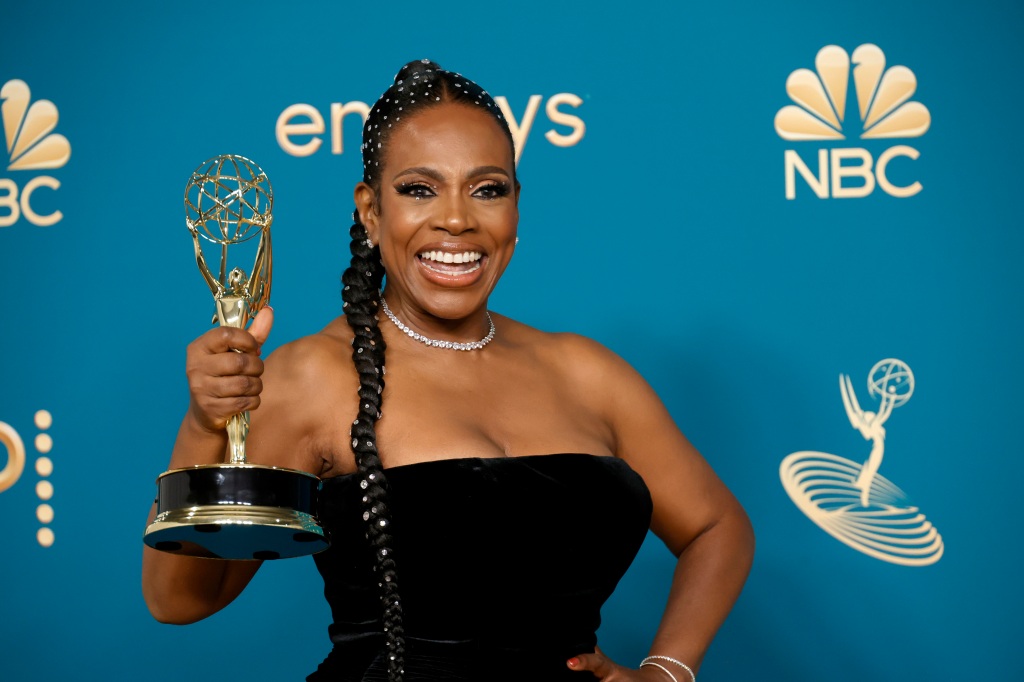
{"points": [[235, 510]]}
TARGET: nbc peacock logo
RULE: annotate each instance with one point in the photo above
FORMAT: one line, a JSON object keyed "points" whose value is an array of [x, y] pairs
{"points": [[31, 146], [820, 113]]}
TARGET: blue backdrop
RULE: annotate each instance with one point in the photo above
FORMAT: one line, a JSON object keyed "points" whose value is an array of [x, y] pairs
{"points": [[664, 232]]}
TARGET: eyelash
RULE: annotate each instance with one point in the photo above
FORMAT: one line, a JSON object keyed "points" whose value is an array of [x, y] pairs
{"points": [[419, 190], [495, 190]]}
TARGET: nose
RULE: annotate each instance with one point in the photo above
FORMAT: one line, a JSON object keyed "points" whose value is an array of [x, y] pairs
{"points": [[456, 213]]}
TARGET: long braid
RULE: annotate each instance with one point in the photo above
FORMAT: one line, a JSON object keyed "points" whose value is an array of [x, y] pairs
{"points": [[361, 296], [419, 85]]}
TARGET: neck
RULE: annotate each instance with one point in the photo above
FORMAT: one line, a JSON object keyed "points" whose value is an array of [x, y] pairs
{"points": [[459, 334]]}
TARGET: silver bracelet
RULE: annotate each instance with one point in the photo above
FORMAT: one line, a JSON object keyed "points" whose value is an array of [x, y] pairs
{"points": [[650, 661], [660, 667]]}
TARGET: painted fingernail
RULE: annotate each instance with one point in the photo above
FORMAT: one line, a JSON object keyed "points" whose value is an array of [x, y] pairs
{"points": [[573, 662]]}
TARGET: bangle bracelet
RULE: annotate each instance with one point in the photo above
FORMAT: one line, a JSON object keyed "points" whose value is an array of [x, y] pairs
{"points": [[650, 661], [660, 667]]}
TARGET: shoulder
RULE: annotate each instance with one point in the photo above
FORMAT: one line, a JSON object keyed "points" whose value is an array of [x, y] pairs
{"points": [[306, 384], [309, 356], [579, 361], [310, 371]]}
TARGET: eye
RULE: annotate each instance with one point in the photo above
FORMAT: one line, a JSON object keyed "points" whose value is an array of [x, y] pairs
{"points": [[417, 190], [493, 189]]}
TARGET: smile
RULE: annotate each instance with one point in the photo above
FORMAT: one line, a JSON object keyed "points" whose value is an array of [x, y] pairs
{"points": [[447, 263]]}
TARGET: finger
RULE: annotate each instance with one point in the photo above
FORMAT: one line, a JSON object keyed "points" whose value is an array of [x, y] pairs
{"points": [[261, 326], [226, 364], [224, 339], [221, 397], [597, 663], [224, 376], [240, 386], [218, 410]]}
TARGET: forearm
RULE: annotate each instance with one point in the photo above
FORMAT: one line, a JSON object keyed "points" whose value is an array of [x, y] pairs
{"points": [[708, 579], [180, 589]]}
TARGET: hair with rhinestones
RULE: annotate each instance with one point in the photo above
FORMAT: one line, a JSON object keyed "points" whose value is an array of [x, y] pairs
{"points": [[419, 85]]}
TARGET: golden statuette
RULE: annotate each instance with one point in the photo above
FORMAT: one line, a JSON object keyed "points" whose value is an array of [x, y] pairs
{"points": [[234, 510]]}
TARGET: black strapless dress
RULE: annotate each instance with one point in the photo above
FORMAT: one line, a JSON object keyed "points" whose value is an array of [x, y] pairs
{"points": [[503, 565]]}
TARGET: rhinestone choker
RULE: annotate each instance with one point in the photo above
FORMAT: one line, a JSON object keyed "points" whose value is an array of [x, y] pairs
{"points": [[452, 345]]}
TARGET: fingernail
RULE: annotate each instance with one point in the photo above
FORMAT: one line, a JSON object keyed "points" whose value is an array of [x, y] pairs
{"points": [[573, 662]]}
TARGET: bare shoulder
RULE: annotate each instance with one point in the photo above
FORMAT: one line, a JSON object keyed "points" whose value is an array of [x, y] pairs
{"points": [[304, 389], [578, 361], [309, 357], [312, 375]]}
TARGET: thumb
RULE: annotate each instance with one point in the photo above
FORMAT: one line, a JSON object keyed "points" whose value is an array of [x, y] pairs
{"points": [[261, 325], [597, 663]]}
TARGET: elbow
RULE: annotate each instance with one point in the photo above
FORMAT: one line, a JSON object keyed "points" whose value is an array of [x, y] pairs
{"points": [[173, 614], [168, 618], [747, 539], [735, 526], [175, 607], [732, 536], [163, 612]]}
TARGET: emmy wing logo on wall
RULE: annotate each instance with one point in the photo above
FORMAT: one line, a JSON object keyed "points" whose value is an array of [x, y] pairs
{"points": [[31, 145], [851, 501], [820, 113]]}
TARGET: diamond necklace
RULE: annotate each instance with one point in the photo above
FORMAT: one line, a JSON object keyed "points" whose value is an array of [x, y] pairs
{"points": [[452, 345]]}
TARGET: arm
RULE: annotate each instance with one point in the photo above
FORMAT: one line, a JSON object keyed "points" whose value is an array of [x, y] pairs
{"points": [[694, 514], [180, 589]]}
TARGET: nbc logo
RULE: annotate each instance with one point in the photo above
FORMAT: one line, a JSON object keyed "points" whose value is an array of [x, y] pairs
{"points": [[31, 145], [820, 113]]}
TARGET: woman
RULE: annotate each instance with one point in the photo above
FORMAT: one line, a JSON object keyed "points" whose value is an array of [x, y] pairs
{"points": [[484, 505]]}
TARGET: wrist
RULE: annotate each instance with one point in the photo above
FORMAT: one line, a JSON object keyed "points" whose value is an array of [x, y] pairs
{"points": [[663, 663], [198, 444]]}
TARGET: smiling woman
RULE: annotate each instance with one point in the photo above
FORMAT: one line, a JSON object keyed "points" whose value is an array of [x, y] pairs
{"points": [[483, 504]]}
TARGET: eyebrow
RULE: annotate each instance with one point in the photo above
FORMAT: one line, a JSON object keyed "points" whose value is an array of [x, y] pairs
{"points": [[436, 175]]}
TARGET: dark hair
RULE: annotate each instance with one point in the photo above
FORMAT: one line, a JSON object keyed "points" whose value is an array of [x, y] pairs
{"points": [[419, 85]]}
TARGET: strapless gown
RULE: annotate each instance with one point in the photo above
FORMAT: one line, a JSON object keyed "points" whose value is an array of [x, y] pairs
{"points": [[503, 565]]}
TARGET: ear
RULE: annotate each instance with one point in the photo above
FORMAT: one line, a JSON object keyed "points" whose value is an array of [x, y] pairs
{"points": [[366, 205]]}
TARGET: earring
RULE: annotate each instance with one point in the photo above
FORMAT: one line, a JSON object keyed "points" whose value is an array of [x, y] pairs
{"points": [[368, 242], [517, 240]]}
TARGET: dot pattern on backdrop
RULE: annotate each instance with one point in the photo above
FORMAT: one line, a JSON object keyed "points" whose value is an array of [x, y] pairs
{"points": [[44, 488]]}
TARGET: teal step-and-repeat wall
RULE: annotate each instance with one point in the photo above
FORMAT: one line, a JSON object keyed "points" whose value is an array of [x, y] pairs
{"points": [[800, 221]]}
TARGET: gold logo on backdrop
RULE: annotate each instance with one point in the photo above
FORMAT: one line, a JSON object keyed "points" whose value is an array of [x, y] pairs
{"points": [[31, 142], [301, 128], [820, 112], [882, 98], [852, 502], [31, 145], [15, 466]]}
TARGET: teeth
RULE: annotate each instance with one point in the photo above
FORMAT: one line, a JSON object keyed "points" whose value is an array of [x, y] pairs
{"points": [[448, 257]]}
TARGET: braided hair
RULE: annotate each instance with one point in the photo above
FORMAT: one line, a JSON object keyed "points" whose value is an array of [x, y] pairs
{"points": [[419, 85]]}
